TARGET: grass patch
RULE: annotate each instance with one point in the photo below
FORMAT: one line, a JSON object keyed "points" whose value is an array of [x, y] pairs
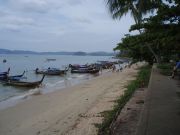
{"points": [[165, 68], [142, 80]]}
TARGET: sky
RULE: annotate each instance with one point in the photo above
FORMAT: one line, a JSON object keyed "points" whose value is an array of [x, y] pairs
{"points": [[60, 25]]}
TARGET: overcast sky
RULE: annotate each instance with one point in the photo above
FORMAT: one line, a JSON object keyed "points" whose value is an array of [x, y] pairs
{"points": [[60, 25]]}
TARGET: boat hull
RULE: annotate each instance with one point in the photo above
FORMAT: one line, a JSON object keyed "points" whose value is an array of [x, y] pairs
{"points": [[24, 84], [51, 72], [94, 71]]}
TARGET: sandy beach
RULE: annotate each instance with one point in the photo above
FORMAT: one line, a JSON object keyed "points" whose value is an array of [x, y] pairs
{"points": [[71, 111]]}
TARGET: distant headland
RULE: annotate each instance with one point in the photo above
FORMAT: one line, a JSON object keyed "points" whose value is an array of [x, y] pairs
{"points": [[78, 53]]}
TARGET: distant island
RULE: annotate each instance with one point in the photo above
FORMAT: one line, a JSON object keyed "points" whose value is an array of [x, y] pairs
{"points": [[79, 53]]}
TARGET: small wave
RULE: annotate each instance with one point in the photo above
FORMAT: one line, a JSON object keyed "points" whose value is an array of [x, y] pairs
{"points": [[13, 100], [70, 78], [80, 76], [54, 84], [36, 91]]}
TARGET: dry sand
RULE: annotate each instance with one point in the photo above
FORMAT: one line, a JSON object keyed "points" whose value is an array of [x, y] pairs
{"points": [[71, 110]]}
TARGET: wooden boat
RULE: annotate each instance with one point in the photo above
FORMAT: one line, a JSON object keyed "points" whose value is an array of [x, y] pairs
{"points": [[50, 71], [50, 59], [4, 75], [84, 69], [94, 71], [24, 84], [76, 66], [16, 77], [91, 71]]}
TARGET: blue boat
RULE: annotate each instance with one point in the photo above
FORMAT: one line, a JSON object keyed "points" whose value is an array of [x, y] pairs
{"points": [[4, 75]]}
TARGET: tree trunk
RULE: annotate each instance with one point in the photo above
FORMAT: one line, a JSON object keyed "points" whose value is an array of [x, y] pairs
{"points": [[138, 20], [158, 59]]}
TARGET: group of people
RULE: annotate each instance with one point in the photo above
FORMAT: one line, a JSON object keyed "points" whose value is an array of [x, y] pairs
{"points": [[175, 71], [116, 68]]}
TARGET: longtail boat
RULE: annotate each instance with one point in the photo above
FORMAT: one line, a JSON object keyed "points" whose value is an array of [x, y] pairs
{"points": [[16, 77], [51, 71], [4, 75], [24, 83], [77, 66], [50, 59], [91, 71]]}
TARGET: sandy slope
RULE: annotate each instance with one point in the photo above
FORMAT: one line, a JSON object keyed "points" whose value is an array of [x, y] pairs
{"points": [[69, 111]]}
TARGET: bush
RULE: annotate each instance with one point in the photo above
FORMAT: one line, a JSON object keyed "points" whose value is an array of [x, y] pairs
{"points": [[165, 68]]}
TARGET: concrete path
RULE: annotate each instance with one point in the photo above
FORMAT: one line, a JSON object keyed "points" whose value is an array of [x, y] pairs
{"points": [[161, 114]]}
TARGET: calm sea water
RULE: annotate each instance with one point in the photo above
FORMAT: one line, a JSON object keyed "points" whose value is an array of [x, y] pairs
{"points": [[28, 63]]}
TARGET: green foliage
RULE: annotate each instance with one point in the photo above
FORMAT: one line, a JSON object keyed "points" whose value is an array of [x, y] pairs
{"points": [[159, 33], [166, 68], [142, 80]]}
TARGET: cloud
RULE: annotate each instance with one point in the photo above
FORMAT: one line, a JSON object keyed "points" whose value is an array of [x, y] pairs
{"points": [[15, 23], [83, 20], [40, 6], [69, 23], [2, 13], [11, 27], [75, 2], [16, 20]]}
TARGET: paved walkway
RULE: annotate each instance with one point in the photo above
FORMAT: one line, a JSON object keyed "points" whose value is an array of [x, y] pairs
{"points": [[161, 114]]}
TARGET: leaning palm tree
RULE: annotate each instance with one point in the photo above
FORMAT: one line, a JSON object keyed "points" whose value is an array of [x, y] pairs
{"points": [[118, 8], [137, 8]]}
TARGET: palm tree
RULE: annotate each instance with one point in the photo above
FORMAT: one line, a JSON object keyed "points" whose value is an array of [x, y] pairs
{"points": [[137, 8], [118, 8]]}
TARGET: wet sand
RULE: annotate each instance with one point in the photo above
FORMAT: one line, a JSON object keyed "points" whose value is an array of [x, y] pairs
{"points": [[73, 110]]}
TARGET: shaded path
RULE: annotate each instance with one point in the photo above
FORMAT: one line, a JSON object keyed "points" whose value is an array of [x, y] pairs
{"points": [[161, 115]]}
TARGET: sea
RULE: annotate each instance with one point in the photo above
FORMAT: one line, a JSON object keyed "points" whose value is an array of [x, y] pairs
{"points": [[28, 63]]}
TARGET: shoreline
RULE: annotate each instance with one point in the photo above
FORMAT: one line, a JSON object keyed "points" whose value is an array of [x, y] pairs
{"points": [[65, 84], [19, 63], [60, 111]]}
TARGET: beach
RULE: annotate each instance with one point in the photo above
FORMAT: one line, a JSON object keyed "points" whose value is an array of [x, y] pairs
{"points": [[73, 110]]}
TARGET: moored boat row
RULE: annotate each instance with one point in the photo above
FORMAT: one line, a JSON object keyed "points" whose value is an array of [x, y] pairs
{"points": [[18, 80]]}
